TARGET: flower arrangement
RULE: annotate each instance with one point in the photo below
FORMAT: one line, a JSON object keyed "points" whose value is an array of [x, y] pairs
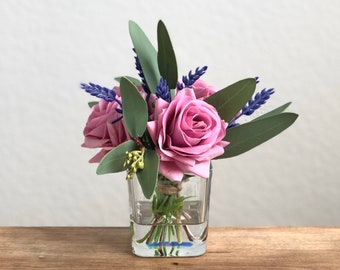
{"points": [[159, 127]]}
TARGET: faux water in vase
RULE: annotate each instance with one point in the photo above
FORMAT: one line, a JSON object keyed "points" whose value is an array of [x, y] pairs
{"points": [[174, 221]]}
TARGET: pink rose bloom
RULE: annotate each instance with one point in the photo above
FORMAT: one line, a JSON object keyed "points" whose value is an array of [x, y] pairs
{"points": [[202, 90], [99, 131], [188, 133]]}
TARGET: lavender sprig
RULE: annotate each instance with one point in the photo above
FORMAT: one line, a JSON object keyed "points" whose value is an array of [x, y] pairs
{"points": [[163, 90], [141, 74], [107, 94], [189, 80], [100, 92], [259, 99], [253, 104], [117, 120]]}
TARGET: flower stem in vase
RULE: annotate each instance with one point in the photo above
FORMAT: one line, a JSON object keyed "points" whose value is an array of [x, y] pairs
{"points": [[167, 208], [172, 222], [178, 227]]}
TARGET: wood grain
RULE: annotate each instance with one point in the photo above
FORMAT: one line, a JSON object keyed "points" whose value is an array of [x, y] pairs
{"points": [[228, 248]]}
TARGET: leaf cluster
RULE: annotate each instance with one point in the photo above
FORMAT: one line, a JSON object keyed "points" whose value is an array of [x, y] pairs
{"points": [[168, 206], [229, 101]]}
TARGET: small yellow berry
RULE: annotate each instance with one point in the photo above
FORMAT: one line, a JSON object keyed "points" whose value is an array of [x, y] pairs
{"points": [[140, 165]]}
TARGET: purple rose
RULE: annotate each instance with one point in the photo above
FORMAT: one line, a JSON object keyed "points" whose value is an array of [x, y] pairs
{"points": [[188, 133]]}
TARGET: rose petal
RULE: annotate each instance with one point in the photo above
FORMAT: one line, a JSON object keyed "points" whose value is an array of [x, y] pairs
{"points": [[187, 133], [171, 171], [201, 169], [98, 157]]}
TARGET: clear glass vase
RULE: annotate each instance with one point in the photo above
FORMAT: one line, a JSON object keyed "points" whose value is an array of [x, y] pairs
{"points": [[174, 221]]}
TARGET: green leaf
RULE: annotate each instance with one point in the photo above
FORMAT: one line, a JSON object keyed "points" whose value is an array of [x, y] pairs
{"points": [[92, 103], [273, 112], [249, 135], [114, 160], [132, 79], [167, 63], [148, 176], [230, 100], [147, 56], [147, 141], [135, 111]]}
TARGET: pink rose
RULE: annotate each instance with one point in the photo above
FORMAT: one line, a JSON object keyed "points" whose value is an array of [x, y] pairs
{"points": [[99, 131], [188, 133], [202, 90]]}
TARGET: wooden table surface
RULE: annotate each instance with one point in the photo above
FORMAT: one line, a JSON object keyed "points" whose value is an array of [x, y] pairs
{"points": [[228, 248]]}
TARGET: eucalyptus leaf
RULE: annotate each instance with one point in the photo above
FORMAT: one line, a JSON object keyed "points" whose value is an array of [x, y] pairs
{"points": [[132, 79], [92, 103], [167, 63], [273, 112], [147, 55], [249, 135], [173, 93], [114, 160], [147, 140], [230, 100], [148, 176], [135, 111]]}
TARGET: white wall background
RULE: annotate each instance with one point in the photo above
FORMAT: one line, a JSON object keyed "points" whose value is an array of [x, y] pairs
{"points": [[47, 47]]}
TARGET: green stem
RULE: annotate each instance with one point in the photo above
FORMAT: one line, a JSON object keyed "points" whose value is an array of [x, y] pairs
{"points": [[190, 238], [167, 208], [149, 235]]}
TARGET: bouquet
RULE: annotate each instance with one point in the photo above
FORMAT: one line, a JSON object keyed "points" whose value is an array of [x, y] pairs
{"points": [[161, 128]]}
